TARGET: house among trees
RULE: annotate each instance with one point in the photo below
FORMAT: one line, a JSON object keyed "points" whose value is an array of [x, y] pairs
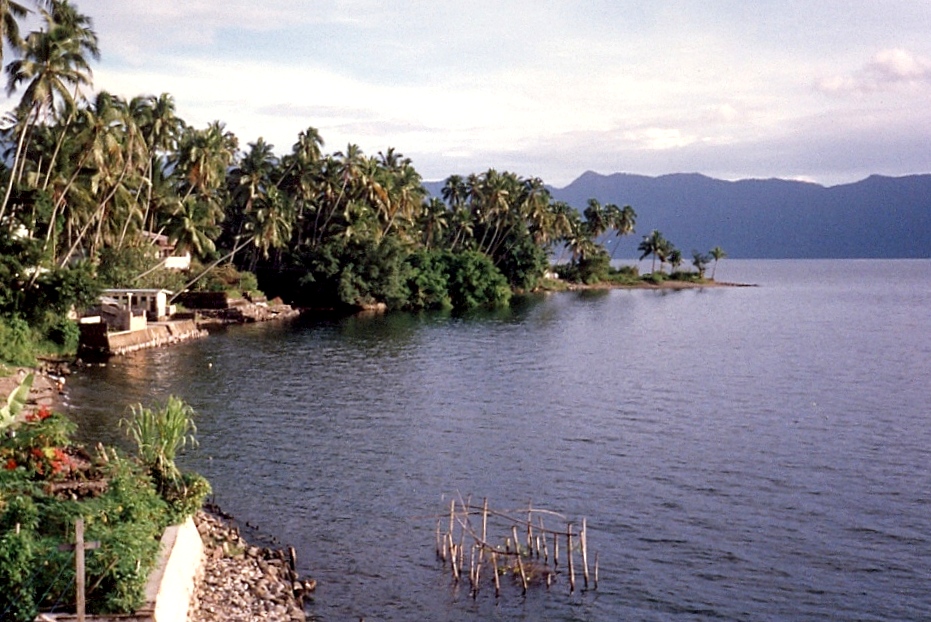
{"points": [[166, 251], [131, 309]]}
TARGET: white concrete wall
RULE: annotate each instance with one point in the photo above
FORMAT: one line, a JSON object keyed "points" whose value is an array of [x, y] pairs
{"points": [[185, 559]]}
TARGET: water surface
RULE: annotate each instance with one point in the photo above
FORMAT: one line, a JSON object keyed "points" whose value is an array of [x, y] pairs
{"points": [[740, 454]]}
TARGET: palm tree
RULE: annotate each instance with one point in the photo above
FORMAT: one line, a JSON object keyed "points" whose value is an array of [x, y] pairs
{"points": [[622, 220], [700, 261], [454, 191], [433, 221], [654, 244], [10, 13], [192, 227], [675, 259], [717, 253], [596, 218], [54, 63]]}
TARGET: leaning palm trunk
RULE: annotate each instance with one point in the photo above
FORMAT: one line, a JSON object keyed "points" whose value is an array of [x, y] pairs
{"points": [[213, 265], [17, 156]]}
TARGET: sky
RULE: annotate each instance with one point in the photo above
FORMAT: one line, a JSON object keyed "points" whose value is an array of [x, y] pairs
{"points": [[828, 91]]}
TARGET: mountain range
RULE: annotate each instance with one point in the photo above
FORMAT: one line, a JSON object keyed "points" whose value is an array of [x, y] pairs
{"points": [[877, 217]]}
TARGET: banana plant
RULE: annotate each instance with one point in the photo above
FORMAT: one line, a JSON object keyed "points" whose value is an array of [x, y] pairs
{"points": [[15, 403]]}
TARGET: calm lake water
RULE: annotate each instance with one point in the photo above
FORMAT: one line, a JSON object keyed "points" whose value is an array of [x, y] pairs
{"points": [[740, 454]]}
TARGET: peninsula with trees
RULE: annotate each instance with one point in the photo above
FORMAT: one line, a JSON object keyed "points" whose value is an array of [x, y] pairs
{"points": [[102, 192]]}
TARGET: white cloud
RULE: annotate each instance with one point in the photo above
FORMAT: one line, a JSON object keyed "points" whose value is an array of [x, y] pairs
{"points": [[889, 68], [549, 89]]}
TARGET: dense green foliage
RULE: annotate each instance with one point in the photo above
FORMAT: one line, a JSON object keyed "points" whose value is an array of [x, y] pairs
{"points": [[125, 503], [160, 434], [94, 180]]}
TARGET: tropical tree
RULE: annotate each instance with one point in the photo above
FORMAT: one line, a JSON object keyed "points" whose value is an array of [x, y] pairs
{"points": [[623, 220], [10, 14], [675, 259], [700, 261], [54, 65], [717, 253], [656, 245]]}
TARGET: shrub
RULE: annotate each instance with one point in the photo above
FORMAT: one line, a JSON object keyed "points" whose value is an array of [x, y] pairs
{"points": [[474, 281], [17, 343], [160, 434], [594, 267]]}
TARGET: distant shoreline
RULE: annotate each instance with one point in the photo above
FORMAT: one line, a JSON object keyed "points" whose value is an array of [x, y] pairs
{"points": [[665, 285]]}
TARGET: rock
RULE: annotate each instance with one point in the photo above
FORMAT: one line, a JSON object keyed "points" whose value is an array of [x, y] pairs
{"points": [[253, 584]]}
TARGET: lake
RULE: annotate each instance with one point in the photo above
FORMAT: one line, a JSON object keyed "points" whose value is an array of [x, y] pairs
{"points": [[739, 453]]}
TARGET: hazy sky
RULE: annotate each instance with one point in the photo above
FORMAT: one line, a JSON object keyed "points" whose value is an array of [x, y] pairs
{"points": [[825, 90]]}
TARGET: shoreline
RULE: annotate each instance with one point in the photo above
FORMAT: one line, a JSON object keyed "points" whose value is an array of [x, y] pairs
{"points": [[645, 285]]}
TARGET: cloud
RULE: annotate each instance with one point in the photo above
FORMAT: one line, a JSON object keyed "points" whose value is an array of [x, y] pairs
{"points": [[887, 69]]}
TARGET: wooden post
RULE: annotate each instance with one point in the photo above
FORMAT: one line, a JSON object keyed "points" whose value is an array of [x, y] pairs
{"points": [[484, 527], [555, 550], [523, 575], [569, 553], [583, 539], [79, 547], [596, 570], [494, 563], [529, 529]]}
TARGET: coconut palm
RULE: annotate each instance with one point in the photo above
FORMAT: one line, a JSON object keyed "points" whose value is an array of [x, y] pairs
{"points": [[596, 218], [54, 66], [717, 253], [10, 14], [654, 244], [700, 261], [622, 221], [433, 221]]}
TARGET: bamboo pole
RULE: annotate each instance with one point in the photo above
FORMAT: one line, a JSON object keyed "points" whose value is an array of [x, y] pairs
{"points": [[555, 550], [478, 575], [452, 515], [569, 554], [484, 525], [440, 553], [529, 528], [523, 575], [452, 558], [596, 570], [583, 540], [494, 563]]}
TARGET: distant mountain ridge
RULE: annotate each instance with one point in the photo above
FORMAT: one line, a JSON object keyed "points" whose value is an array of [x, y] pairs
{"points": [[877, 217]]}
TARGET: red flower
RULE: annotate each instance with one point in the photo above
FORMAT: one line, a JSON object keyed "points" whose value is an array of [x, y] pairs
{"points": [[37, 453], [32, 417], [44, 413], [10, 464]]}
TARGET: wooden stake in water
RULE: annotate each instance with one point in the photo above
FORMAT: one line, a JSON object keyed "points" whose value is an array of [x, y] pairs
{"points": [[485, 520], [583, 539], [596, 570], [569, 553], [555, 550], [523, 575], [529, 529], [494, 563]]}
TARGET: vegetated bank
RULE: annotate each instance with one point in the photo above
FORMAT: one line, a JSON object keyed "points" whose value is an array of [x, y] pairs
{"points": [[48, 483]]}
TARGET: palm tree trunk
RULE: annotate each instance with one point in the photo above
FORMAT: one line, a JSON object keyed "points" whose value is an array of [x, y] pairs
{"points": [[16, 158], [213, 265]]}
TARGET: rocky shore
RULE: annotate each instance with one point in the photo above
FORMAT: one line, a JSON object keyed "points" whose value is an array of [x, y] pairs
{"points": [[245, 583]]}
